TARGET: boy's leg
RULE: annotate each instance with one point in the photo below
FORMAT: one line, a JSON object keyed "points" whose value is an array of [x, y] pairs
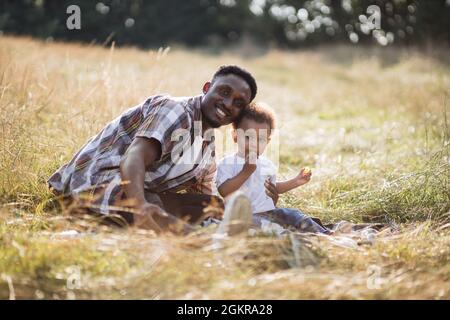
{"points": [[297, 219], [259, 217]]}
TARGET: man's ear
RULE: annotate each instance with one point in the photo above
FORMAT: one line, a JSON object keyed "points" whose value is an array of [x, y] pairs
{"points": [[206, 87]]}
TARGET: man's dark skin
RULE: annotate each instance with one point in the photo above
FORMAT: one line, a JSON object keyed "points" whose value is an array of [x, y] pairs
{"points": [[224, 99]]}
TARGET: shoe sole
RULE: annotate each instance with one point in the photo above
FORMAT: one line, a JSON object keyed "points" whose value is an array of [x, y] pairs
{"points": [[237, 217]]}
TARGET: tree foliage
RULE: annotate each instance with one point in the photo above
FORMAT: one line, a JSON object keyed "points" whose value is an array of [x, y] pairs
{"points": [[284, 23]]}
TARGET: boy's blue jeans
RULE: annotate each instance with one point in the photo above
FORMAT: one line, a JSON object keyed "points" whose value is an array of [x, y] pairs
{"points": [[291, 217]]}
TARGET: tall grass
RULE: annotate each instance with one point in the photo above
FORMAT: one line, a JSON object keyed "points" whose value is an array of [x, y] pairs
{"points": [[372, 125]]}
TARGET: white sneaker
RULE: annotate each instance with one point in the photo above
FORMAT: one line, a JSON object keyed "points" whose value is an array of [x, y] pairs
{"points": [[237, 217]]}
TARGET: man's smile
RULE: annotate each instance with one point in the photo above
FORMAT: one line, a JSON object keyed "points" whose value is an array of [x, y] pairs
{"points": [[221, 113]]}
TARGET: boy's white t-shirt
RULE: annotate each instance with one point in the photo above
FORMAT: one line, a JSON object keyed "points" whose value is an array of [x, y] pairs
{"points": [[253, 188]]}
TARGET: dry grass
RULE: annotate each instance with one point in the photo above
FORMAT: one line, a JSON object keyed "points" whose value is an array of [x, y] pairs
{"points": [[372, 125]]}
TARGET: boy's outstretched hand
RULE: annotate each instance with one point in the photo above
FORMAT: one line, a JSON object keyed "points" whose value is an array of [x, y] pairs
{"points": [[304, 176]]}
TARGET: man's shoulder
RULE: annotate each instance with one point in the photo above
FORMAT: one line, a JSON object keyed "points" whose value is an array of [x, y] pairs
{"points": [[167, 103], [166, 111]]}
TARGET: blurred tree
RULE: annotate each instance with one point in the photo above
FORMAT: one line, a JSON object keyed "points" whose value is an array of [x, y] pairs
{"points": [[285, 23]]}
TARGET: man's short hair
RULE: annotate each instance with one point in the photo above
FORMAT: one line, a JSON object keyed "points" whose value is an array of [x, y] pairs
{"points": [[240, 72], [258, 112]]}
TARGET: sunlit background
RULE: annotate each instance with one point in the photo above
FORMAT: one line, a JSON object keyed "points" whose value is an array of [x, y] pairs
{"points": [[361, 93]]}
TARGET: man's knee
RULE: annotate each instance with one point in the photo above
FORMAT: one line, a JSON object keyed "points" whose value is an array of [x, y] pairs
{"points": [[203, 200], [153, 198], [218, 201]]}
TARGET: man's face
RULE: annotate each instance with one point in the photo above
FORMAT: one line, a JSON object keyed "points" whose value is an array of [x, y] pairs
{"points": [[224, 100]]}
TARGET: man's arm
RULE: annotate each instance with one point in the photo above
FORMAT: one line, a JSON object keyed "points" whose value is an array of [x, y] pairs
{"points": [[272, 191], [141, 154]]}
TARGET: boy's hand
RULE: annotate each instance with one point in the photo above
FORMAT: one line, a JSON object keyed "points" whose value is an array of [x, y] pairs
{"points": [[304, 176], [249, 167]]}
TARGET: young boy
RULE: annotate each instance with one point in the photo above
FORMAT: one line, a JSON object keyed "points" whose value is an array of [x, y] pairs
{"points": [[250, 173]]}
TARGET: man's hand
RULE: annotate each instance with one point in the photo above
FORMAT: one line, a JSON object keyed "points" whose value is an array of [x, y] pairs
{"points": [[145, 217], [304, 176], [271, 191]]}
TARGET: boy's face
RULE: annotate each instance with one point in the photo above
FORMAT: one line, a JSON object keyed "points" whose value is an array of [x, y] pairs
{"points": [[251, 137]]}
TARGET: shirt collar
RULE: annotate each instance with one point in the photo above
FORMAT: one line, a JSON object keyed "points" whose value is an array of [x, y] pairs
{"points": [[197, 106]]}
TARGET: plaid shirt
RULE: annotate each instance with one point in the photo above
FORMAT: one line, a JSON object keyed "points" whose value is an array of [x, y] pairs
{"points": [[96, 166]]}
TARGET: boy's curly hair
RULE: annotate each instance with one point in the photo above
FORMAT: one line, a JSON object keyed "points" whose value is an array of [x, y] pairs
{"points": [[259, 112]]}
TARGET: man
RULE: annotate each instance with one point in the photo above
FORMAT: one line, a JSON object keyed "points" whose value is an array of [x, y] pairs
{"points": [[131, 163]]}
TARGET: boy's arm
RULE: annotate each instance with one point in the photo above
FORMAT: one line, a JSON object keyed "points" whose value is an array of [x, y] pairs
{"points": [[303, 177], [233, 184], [288, 185]]}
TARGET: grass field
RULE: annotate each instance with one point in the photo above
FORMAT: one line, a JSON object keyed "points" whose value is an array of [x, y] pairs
{"points": [[372, 124]]}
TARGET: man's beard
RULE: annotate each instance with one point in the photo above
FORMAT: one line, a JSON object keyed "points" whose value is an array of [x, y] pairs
{"points": [[211, 123]]}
